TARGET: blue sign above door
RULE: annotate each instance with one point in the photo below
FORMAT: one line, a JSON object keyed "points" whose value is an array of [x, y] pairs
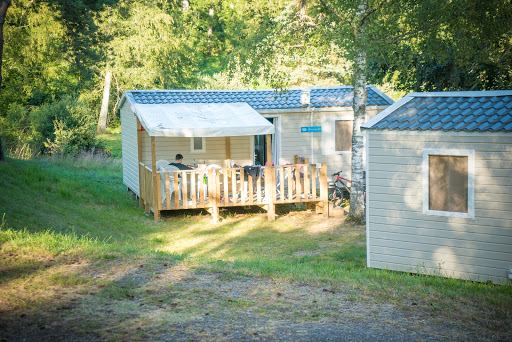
{"points": [[311, 129]]}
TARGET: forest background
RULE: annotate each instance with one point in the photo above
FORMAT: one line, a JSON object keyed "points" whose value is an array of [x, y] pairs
{"points": [[58, 53]]}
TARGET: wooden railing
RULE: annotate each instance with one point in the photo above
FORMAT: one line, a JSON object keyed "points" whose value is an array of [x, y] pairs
{"points": [[229, 187]]}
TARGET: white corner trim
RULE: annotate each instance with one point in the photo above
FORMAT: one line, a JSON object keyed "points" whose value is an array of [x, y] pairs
{"points": [[471, 181], [367, 148]]}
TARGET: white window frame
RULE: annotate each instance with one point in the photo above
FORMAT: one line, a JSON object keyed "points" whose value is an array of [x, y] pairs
{"points": [[334, 131], [470, 154], [194, 151], [329, 135]]}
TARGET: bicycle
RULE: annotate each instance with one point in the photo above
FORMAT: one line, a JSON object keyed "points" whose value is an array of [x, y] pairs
{"points": [[340, 185]]}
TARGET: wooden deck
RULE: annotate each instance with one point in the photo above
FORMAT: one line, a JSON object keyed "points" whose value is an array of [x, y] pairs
{"points": [[212, 189]]}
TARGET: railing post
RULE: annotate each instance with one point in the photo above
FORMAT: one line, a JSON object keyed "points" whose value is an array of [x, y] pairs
{"points": [[142, 187], [324, 196], [139, 159], [147, 187], [270, 192], [213, 195], [157, 198]]}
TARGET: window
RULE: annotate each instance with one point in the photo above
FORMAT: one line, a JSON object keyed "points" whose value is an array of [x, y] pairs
{"points": [[197, 145], [343, 135], [448, 183]]}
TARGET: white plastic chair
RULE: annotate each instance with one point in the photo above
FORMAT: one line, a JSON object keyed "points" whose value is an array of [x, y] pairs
{"points": [[169, 168], [162, 163], [214, 166]]}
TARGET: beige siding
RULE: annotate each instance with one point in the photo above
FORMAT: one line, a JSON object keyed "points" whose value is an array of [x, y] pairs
{"points": [[293, 142], [401, 237], [129, 148], [167, 148]]}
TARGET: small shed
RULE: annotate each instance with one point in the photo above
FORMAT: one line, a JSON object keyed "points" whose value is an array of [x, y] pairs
{"points": [[439, 189]]}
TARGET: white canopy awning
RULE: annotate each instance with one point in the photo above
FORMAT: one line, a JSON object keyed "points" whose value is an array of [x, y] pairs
{"points": [[201, 120]]}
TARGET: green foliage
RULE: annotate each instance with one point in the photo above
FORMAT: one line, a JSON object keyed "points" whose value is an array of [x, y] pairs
{"points": [[56, 48], [65, 126], [17, 130]]}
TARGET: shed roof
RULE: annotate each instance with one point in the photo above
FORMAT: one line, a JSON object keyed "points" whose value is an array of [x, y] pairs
{"points": [[468, 111], [259, 99]]}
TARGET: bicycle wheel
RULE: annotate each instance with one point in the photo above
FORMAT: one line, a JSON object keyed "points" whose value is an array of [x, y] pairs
{"points": [[338, 198]]}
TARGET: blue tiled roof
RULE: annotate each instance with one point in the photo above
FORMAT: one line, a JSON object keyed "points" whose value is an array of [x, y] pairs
{"points": [[260, 99], [457, 111]]}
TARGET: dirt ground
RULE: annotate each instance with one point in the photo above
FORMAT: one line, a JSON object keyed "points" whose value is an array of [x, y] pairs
{"points": [[157, 301]]}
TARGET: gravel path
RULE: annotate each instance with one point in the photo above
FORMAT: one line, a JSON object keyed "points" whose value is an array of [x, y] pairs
{"points": [[175, 304]]}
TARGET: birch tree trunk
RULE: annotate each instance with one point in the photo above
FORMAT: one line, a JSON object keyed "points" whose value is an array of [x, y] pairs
{"points": [[102, 121], [4, 5], [357, 205]]}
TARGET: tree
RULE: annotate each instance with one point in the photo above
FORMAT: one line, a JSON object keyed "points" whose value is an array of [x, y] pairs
{"points": [[370, 32], [102, 121], [471, 51], [4, 6]]}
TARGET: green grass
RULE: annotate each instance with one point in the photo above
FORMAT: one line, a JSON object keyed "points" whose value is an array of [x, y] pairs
{"points": [[112, 141], [68, 208]]}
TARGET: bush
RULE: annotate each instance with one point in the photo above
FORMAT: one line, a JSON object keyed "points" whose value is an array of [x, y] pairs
{"points": [[65, 126], [17, 131]]}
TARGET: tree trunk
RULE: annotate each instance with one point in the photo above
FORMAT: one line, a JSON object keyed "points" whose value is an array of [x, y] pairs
{"points": [[357, 205], [4, 5], [102, 121]]}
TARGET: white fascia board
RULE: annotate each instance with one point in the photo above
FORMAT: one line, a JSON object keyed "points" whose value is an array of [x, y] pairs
{"points": [[484, 93], [126, 96], [387, 111], [121, 102], [367, 204], [434, 133]]}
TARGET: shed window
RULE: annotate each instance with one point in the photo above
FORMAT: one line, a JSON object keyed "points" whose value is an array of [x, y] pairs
{"points": [[448, 182], [343, 135], [197, 145]]}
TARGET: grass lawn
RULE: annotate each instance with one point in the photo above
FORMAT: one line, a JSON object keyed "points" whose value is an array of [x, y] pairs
{"points": [[70, 233], [112, 140]]}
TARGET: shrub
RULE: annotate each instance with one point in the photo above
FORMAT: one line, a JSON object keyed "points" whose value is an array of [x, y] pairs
{"points": [[17, 130], [65, 126]]}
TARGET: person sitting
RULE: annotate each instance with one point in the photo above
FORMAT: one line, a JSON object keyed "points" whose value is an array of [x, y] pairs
{"points": [[179, 163]]}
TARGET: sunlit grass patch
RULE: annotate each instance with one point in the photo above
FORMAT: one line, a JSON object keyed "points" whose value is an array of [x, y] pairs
{"points": [[72, 230], [45, 242], [112, 141]]}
